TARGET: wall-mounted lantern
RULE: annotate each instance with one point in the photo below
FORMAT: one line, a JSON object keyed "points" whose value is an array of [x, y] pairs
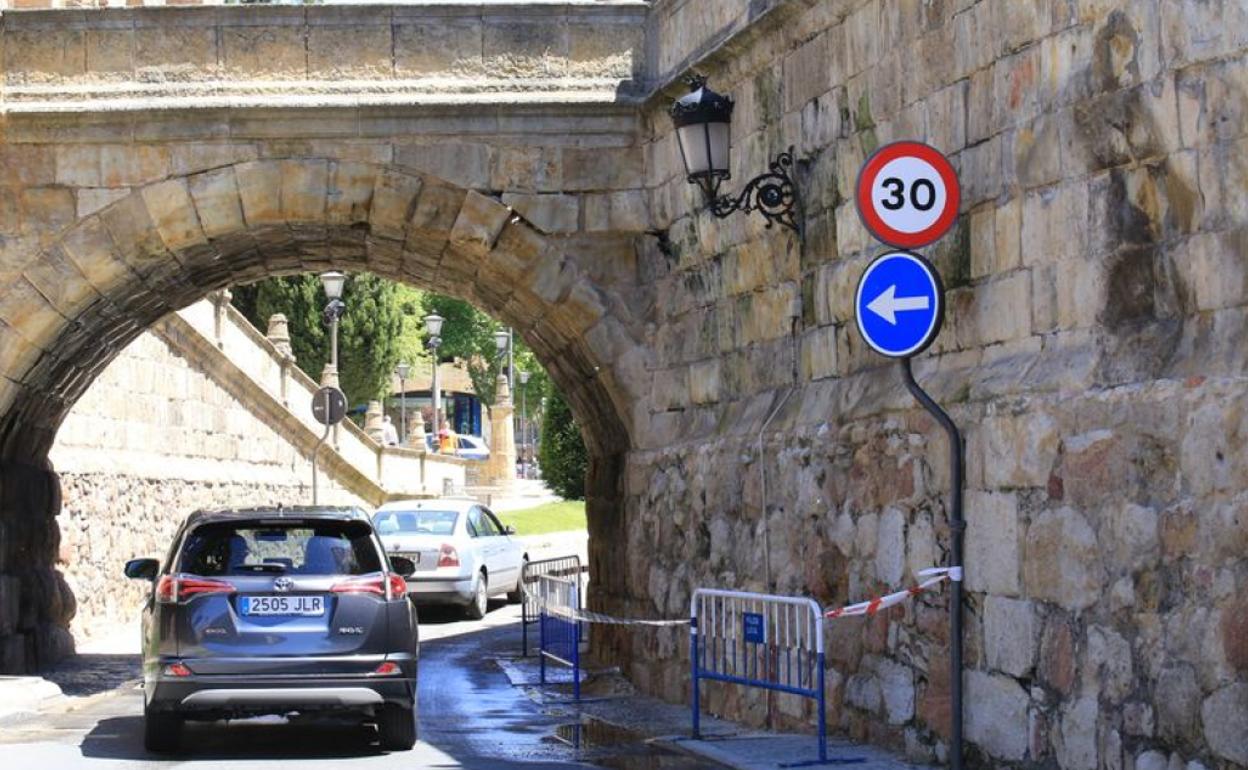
{"points": [[703, 120]]}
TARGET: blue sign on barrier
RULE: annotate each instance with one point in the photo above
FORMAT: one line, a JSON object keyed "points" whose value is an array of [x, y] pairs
{"points": [[899, 304], [755, 628]]}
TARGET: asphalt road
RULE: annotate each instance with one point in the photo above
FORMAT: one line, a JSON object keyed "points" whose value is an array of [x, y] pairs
{"points": [[470, 716]]}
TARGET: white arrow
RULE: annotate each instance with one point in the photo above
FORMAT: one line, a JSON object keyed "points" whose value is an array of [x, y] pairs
{"points": [[887, 304]]}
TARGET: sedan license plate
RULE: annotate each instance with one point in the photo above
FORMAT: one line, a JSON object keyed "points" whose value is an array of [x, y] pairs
{"points": [[281, 605]]}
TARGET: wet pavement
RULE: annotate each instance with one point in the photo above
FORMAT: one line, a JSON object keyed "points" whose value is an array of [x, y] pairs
{"points": [[471, 716]]}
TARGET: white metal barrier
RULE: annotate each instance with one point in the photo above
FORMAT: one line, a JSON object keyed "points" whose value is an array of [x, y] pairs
{"points": [[759, 640]]}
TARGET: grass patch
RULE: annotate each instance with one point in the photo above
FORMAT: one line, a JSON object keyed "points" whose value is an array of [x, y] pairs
{"points": [[562, 516]]}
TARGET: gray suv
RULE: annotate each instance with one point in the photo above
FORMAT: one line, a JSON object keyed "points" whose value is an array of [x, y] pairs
{"points": [[277, 611]]}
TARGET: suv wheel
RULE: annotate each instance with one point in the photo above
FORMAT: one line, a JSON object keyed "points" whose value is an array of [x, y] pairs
{"points": [[397, 727], [162, 732], [480, 598], [517, 596]]}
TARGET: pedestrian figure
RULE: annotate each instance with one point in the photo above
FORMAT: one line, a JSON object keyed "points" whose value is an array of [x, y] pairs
{"points": [[389, 434]]}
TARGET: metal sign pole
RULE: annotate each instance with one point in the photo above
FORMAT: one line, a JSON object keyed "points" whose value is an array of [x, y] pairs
{"points": [[956, 528], [317, 451]]}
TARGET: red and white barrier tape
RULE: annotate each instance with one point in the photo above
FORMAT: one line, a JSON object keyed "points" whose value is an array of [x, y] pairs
{"points": [[933, 575]]}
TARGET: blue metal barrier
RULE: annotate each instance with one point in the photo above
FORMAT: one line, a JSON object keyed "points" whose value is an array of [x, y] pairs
{"points": [[560, 631], [759, 640], [530, 606]]}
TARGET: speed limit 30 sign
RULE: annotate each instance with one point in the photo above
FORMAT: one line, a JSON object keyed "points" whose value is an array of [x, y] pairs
{"points": [[907, 194]]}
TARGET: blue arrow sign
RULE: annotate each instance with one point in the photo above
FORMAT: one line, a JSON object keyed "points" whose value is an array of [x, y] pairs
{"points": [[899, 304]]}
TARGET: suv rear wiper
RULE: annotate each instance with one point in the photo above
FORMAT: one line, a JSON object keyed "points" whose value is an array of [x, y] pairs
{"points": [[279, 568]]}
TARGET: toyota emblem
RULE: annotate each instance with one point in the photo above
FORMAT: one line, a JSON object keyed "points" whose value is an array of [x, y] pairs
{"points": [[283, 584]]}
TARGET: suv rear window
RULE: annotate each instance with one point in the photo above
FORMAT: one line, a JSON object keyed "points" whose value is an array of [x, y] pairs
{"points": [[296, 547]]}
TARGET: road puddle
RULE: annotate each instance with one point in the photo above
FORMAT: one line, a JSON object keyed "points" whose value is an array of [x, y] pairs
{"points": [[611, 746]]}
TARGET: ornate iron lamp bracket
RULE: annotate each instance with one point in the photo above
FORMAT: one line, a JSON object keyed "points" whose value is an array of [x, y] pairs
{"points": [[773, 194]]}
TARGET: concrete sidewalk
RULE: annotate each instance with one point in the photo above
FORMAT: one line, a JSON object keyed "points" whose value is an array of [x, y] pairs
{"points": [[608, 699]]}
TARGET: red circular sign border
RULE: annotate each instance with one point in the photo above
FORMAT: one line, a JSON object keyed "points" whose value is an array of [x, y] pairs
{"points": [[876, 226]]}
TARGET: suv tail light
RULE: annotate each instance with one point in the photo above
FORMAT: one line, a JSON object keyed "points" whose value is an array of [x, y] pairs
{"points": [[448, 556], [180, 588], [390, 586]]}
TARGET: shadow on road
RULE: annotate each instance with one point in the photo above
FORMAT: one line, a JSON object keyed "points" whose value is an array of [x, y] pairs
{"points": [[93, 673], [122, 738]]}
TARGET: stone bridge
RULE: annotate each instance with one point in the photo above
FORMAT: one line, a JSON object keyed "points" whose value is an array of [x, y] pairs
{"points": [[519, 155]]}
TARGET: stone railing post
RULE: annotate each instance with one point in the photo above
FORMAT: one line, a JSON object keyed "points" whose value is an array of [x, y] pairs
{"points": [[220, 301], [279, 335], [373, 424]]}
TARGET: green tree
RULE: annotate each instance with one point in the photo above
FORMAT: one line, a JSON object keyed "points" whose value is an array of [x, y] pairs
{"points": [[468, 334], [563, 456], [369, 333]]}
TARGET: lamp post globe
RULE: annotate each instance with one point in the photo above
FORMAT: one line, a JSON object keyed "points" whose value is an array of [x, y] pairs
{"points": [[500, 341], [333, 281], [702, 119], [433, 324]]}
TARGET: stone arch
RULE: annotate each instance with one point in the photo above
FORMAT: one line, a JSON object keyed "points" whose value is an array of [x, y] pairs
{"points": [[113, 273]]}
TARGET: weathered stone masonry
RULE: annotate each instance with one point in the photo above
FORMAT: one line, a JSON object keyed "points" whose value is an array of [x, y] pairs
{"points": [[1092, 352]]}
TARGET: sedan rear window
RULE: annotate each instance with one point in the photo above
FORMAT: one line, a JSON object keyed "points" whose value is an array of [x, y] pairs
{"points": [[415, 522], [299, 548]]}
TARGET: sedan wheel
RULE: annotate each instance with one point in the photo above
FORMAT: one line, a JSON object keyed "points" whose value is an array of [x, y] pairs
{"points": [[480, 600]]}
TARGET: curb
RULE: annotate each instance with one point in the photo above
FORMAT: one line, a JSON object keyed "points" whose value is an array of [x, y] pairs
{"points": [[26, 695]]}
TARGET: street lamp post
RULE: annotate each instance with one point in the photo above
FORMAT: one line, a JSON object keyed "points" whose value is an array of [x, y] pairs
{"points": [[333, 282], [524, 422], [433, 327], [403, 368]]}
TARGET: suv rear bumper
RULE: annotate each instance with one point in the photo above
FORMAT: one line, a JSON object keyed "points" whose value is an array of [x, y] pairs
{"points": [[217, 695]]}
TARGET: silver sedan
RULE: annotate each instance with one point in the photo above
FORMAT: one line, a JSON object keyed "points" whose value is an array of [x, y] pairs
{"points": [[463, 554]]}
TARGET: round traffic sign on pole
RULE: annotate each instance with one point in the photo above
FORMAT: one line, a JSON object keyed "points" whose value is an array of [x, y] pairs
{"points": [[329, 406], [899, 304], [907, 194]]}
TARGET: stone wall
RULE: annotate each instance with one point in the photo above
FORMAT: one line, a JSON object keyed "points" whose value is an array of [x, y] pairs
{"points": [[1096, 296], [155, 438]]}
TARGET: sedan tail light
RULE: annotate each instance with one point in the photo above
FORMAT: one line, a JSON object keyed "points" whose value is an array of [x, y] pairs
{"points": [[390, 586], [448, 556], [171, 589]]}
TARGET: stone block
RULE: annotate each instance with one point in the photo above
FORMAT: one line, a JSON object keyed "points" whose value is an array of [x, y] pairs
{"points": [[350, 192], [443, 49], [90, 247], [24, 309], [134, 235], [549, 213], [605, 50], [1063, 563], [890, 547], [704, 382], [349, 52], [1107, 664], [268, 52], [1019, 450], [479, 223], [818, 356], [305, 188], [78, 165], [44, 55], [1011, 634], [168, 52], [92, 199], [173, 213], [466, 164], [992, 543], [603, 168], [525, 49], [59, 280], [896, 690], [996, 715], [217, 202], [1224, 716], [394, 199], [806, 73], [1077, 747], [43, 211], [260, 189]]}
